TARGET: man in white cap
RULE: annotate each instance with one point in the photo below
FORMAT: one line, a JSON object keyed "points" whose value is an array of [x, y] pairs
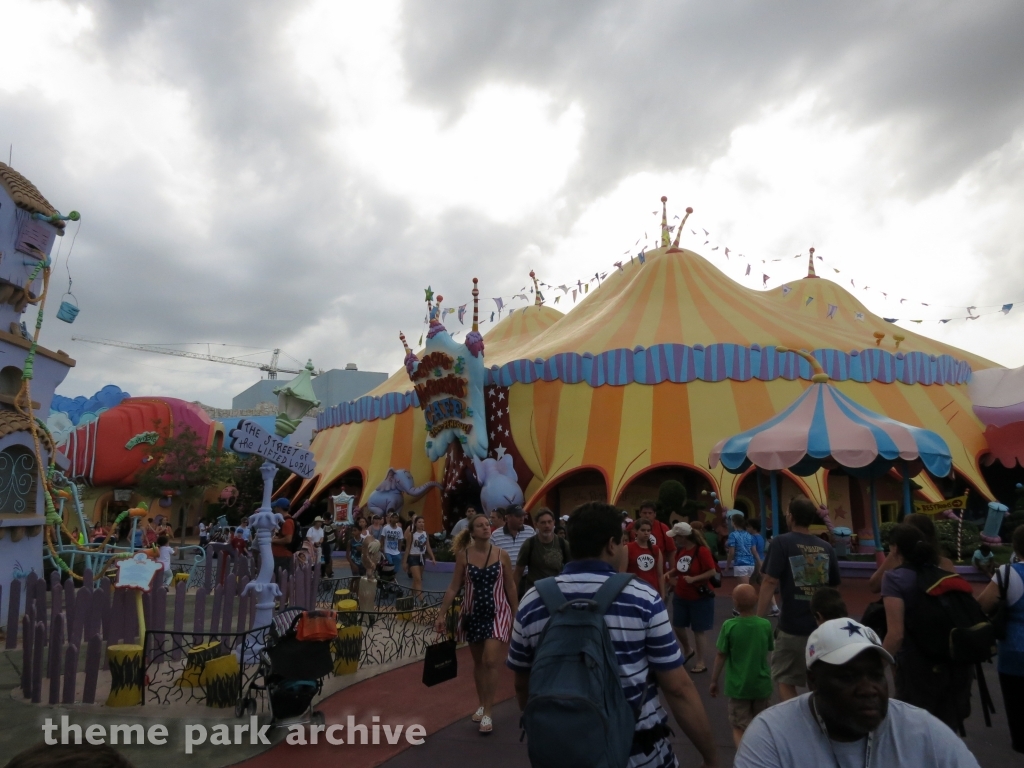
{"points": [[847, 719]]}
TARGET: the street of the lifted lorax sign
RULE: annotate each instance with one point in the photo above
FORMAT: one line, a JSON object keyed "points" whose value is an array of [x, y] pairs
{"points": [[250, 437]]}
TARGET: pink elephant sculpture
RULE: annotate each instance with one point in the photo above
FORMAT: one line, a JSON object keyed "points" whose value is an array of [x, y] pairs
{"points": [[499, 483], [388, 496]]}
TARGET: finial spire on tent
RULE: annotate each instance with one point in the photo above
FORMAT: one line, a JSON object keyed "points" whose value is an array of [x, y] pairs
{"points": [[810, 264], [679, 231], [666, 241], [476, 302], [538, 297], [819, 376], [404, 343]]}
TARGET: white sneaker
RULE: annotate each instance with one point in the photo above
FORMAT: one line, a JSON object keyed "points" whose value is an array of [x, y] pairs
{"points": [[478, 715]]}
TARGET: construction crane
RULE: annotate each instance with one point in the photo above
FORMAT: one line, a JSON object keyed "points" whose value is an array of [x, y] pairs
{"points": [[271, 368]]}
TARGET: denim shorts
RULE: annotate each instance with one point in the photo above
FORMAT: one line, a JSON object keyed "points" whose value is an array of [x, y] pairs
{"points": [[698, 615]]}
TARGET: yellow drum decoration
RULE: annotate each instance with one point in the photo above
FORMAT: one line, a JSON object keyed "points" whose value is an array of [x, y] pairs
{"points": [[126, 675], [340, 595], [349, 645], [177, 578], [197, 658], [219, 680], [404, 607]]}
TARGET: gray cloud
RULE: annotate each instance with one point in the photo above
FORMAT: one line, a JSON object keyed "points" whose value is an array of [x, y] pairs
{"points": [[314, 250]]}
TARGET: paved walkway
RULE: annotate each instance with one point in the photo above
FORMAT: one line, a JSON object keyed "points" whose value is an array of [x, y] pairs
{"points": [[398, 696]]}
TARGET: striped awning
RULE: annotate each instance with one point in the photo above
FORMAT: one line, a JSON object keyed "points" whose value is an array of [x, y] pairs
{"points": [[825, 428]]}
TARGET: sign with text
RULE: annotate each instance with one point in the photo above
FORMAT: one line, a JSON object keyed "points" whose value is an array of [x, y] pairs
{"points": [[933, 508], [137, 573], [250, 437]]}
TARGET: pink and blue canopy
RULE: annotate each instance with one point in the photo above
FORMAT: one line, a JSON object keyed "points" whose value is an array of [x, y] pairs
{"points": [[825, 428]]}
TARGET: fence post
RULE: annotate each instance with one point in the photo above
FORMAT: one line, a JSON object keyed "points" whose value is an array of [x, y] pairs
{"points": [[56, 595], [92, 668], [243, 605], [199, 620], [70, 673], [228, 609], [208, 566], [27, 654], [41, 614], [179, 619], [69, 602], [218, 602], [87, 579], [56, 652], [107, 619], [13, 613], [37, 660], [83, 606]]}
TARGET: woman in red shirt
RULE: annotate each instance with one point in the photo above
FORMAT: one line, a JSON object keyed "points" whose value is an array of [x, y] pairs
{"points": [[693, 604], [645, 560]]}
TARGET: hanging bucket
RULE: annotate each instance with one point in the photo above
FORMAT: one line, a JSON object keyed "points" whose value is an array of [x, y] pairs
{"points": [[68, 311]]}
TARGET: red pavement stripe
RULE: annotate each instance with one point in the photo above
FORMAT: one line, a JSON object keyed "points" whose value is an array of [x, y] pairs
{"points": [[398, 697]]}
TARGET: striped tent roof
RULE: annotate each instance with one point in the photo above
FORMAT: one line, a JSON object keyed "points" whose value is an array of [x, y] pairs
{"points": [[565, 417], [825, 428]]}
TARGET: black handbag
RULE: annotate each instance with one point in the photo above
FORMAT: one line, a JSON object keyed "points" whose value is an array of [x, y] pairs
{"points": [[440, 664]]}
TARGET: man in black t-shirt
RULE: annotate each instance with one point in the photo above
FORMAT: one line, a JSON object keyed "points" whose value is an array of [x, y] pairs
{"points": [[797, 563]]}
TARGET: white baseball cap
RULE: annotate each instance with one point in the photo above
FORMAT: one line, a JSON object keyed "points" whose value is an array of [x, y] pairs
{"points": [[839, 640], [681, 529]]}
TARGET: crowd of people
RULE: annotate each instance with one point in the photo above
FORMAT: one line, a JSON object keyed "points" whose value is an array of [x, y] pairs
{"points": [[845, 717]]}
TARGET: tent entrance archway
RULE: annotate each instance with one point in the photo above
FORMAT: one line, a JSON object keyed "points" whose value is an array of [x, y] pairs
{"points": [[645, 486], [573, 489]]}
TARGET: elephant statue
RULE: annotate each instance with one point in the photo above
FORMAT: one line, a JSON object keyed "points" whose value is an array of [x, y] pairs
{"points": [[499, 483], [387, 498]]}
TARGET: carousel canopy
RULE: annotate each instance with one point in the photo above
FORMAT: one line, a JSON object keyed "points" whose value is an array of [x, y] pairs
{"points": [[825, 428]]}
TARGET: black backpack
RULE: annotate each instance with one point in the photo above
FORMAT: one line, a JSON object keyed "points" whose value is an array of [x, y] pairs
{"points": [[948, 625], [296, 543]]}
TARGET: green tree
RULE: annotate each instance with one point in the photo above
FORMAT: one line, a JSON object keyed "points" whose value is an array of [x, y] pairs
{"points": [[247, 479], [671, 498], [184, 464]]}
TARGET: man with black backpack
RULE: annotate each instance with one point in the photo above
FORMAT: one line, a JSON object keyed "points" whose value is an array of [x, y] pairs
{"points": [[542, 555], [591, 649]]}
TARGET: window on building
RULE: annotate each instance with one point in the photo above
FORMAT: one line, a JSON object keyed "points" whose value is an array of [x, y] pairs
{"points": [[18, 478]]}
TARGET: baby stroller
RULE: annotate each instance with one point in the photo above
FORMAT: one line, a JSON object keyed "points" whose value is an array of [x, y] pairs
{"points": [[291, 670]]}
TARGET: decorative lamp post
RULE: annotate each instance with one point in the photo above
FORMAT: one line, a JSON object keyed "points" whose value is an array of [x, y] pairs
{"points": [[295, 400]]}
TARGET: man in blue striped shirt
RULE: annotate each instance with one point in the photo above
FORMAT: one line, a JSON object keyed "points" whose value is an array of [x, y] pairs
{"points": [[640, 632]]}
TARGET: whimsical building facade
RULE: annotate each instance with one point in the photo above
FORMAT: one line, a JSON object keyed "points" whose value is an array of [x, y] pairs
{"points": [[645, 375], [29, 226]]}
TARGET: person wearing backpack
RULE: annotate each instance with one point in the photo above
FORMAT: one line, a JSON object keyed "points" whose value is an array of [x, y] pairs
{"points": [[542, 555], [924, 605], [591, 649], [1006, 593]]}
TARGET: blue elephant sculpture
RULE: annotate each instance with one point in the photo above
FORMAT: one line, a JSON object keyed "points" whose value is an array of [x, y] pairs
{"points": [[388, 496]]}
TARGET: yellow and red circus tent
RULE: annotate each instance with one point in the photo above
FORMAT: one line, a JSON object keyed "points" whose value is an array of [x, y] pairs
{"points": [[654, 367]]}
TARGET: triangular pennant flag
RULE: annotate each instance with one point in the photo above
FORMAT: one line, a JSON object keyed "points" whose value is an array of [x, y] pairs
{"points": [[890, 319], [851, 283], [492, 317], [917, 321], [946, 320], [462, 312], [421, 340], [573, 295], [835, 270], [747, 272], [831, 311], [500, 302], [903, 301], [809, 300], [619, 265], [586, 288], [642, 256], [1006, 308], [764, 280], [563, 288], [715, 248], [557, 299]]}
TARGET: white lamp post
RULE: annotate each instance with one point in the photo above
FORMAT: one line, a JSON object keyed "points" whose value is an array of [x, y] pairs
{"points": [[295, 400]]}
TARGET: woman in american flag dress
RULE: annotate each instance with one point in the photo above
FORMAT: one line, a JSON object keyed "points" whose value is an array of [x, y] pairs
{"points": [[488, 608]]}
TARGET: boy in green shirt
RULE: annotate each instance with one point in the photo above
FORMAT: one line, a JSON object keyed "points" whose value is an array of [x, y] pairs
{"points": [[743, 646]]}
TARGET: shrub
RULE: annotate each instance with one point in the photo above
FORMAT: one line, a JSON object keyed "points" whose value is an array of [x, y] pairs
{"points": [[671, 498]]}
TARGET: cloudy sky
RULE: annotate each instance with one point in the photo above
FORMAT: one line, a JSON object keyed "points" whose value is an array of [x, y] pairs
{"points": [[293, 174]]}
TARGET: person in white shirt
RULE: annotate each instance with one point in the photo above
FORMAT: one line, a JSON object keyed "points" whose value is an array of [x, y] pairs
{"points": [[392, 536], [164, 554], [848, 719], [315, 536], [462, 524], [511, 536]]}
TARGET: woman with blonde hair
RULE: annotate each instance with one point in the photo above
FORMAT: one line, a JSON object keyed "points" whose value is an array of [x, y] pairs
{"points": [[489, 605]]}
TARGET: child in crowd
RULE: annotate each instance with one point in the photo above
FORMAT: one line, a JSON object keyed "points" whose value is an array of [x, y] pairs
{"points": [[743, 647], [827, 604], [984, 560], [164, 553]]}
